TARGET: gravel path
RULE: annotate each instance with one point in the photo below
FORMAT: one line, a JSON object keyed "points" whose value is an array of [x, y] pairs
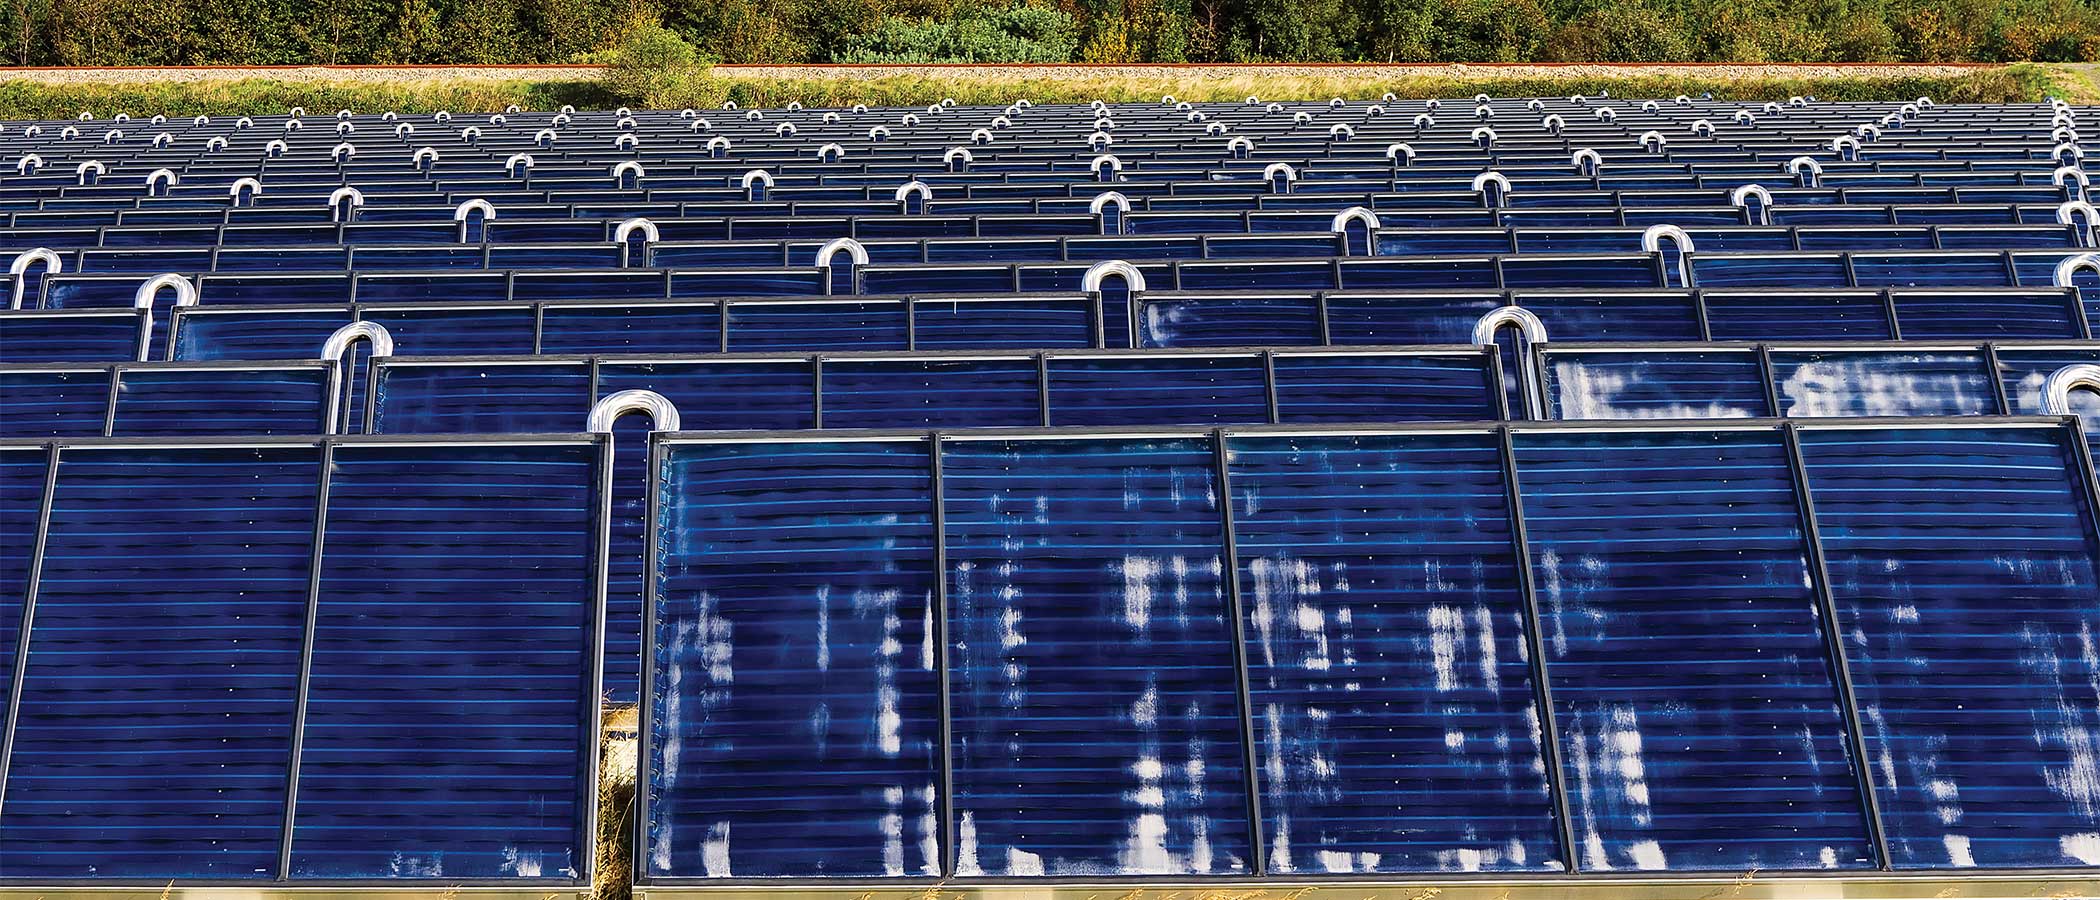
{"points": [[1186, 73]]}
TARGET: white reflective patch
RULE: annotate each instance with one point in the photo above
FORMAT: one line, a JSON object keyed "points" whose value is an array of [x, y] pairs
{"points": [[1022, 862], [1958, 850], [714, 854], [1280, 846], [1447, 632], [525, 865], [1140, 574], [966, 846], [2084, 847], [1647, 856]]}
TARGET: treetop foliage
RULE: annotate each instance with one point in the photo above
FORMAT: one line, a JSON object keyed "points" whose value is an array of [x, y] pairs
{"points": [[294, 32]]}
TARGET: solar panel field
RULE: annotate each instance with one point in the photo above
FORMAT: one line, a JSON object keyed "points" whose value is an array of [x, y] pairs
{"points": [[1561, 496]]}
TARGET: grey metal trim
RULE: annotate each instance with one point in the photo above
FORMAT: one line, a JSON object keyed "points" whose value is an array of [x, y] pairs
{"points": [[594, 642], [1235, 608], [645, 727], [20, 651], [945, 773], [306, 661], [1834, 646], [1535, 647]]}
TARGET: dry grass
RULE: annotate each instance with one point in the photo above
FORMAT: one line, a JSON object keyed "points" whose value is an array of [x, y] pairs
{"points": [[45, 95], [616, 786]]}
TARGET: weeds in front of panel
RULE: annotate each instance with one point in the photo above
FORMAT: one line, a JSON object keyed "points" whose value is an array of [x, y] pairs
{"points": [[616, 786]]}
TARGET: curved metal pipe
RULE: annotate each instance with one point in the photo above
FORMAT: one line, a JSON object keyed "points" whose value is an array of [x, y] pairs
{"points": [[662, 413], [53, 265], [2056, 392], [1091, 281]]}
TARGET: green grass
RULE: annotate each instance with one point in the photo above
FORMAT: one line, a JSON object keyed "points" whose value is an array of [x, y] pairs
{"points": [[20, 99]]}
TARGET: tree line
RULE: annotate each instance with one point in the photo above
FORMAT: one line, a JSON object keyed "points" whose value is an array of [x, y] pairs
{"points": [[297, 32]]}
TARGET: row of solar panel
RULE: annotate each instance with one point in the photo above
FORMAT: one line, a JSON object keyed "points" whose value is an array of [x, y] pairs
{"points": [[1738, 129], [480, 396], [976, 171], [525, 188], [237, 256], [1405, 602], [254, 661], [1071, 321], [1897, 120], [1386, 651], [1008, 389], [1816, 269], [587, 220]]}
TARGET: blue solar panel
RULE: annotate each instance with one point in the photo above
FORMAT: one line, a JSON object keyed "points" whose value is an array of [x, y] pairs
{"points": [[99, 336], [1233, 322], [632, 328], [1982, 317], [1821, 270], [724, 395], [1792, 316], [1654, 384], [482, 398], [1589, 316], [1931, 270], [981, 324], [1432, 319], [1158, 389], [1395, 723], [255, 335], [831, 325], [1588, 272], [178, 402], [1891, 383], [53, 403], [1698, 720], [1096, 728], [931, 393], [1962, 563], [1346, 387], [466, 331], [22, 476], [163, 663], [452, 665], [795, 728]]}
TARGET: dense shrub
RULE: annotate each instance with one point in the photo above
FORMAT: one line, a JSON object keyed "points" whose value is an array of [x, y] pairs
{"points": [[168, 32], [655, 68], [1034, 34]]}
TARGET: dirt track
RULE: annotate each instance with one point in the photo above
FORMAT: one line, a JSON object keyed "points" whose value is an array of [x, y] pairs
{"points": [[1185, 73]]}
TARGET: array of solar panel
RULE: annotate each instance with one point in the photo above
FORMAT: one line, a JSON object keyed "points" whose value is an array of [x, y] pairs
{"points": [[300, 660], [1371, 650], [1102, 646]]}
